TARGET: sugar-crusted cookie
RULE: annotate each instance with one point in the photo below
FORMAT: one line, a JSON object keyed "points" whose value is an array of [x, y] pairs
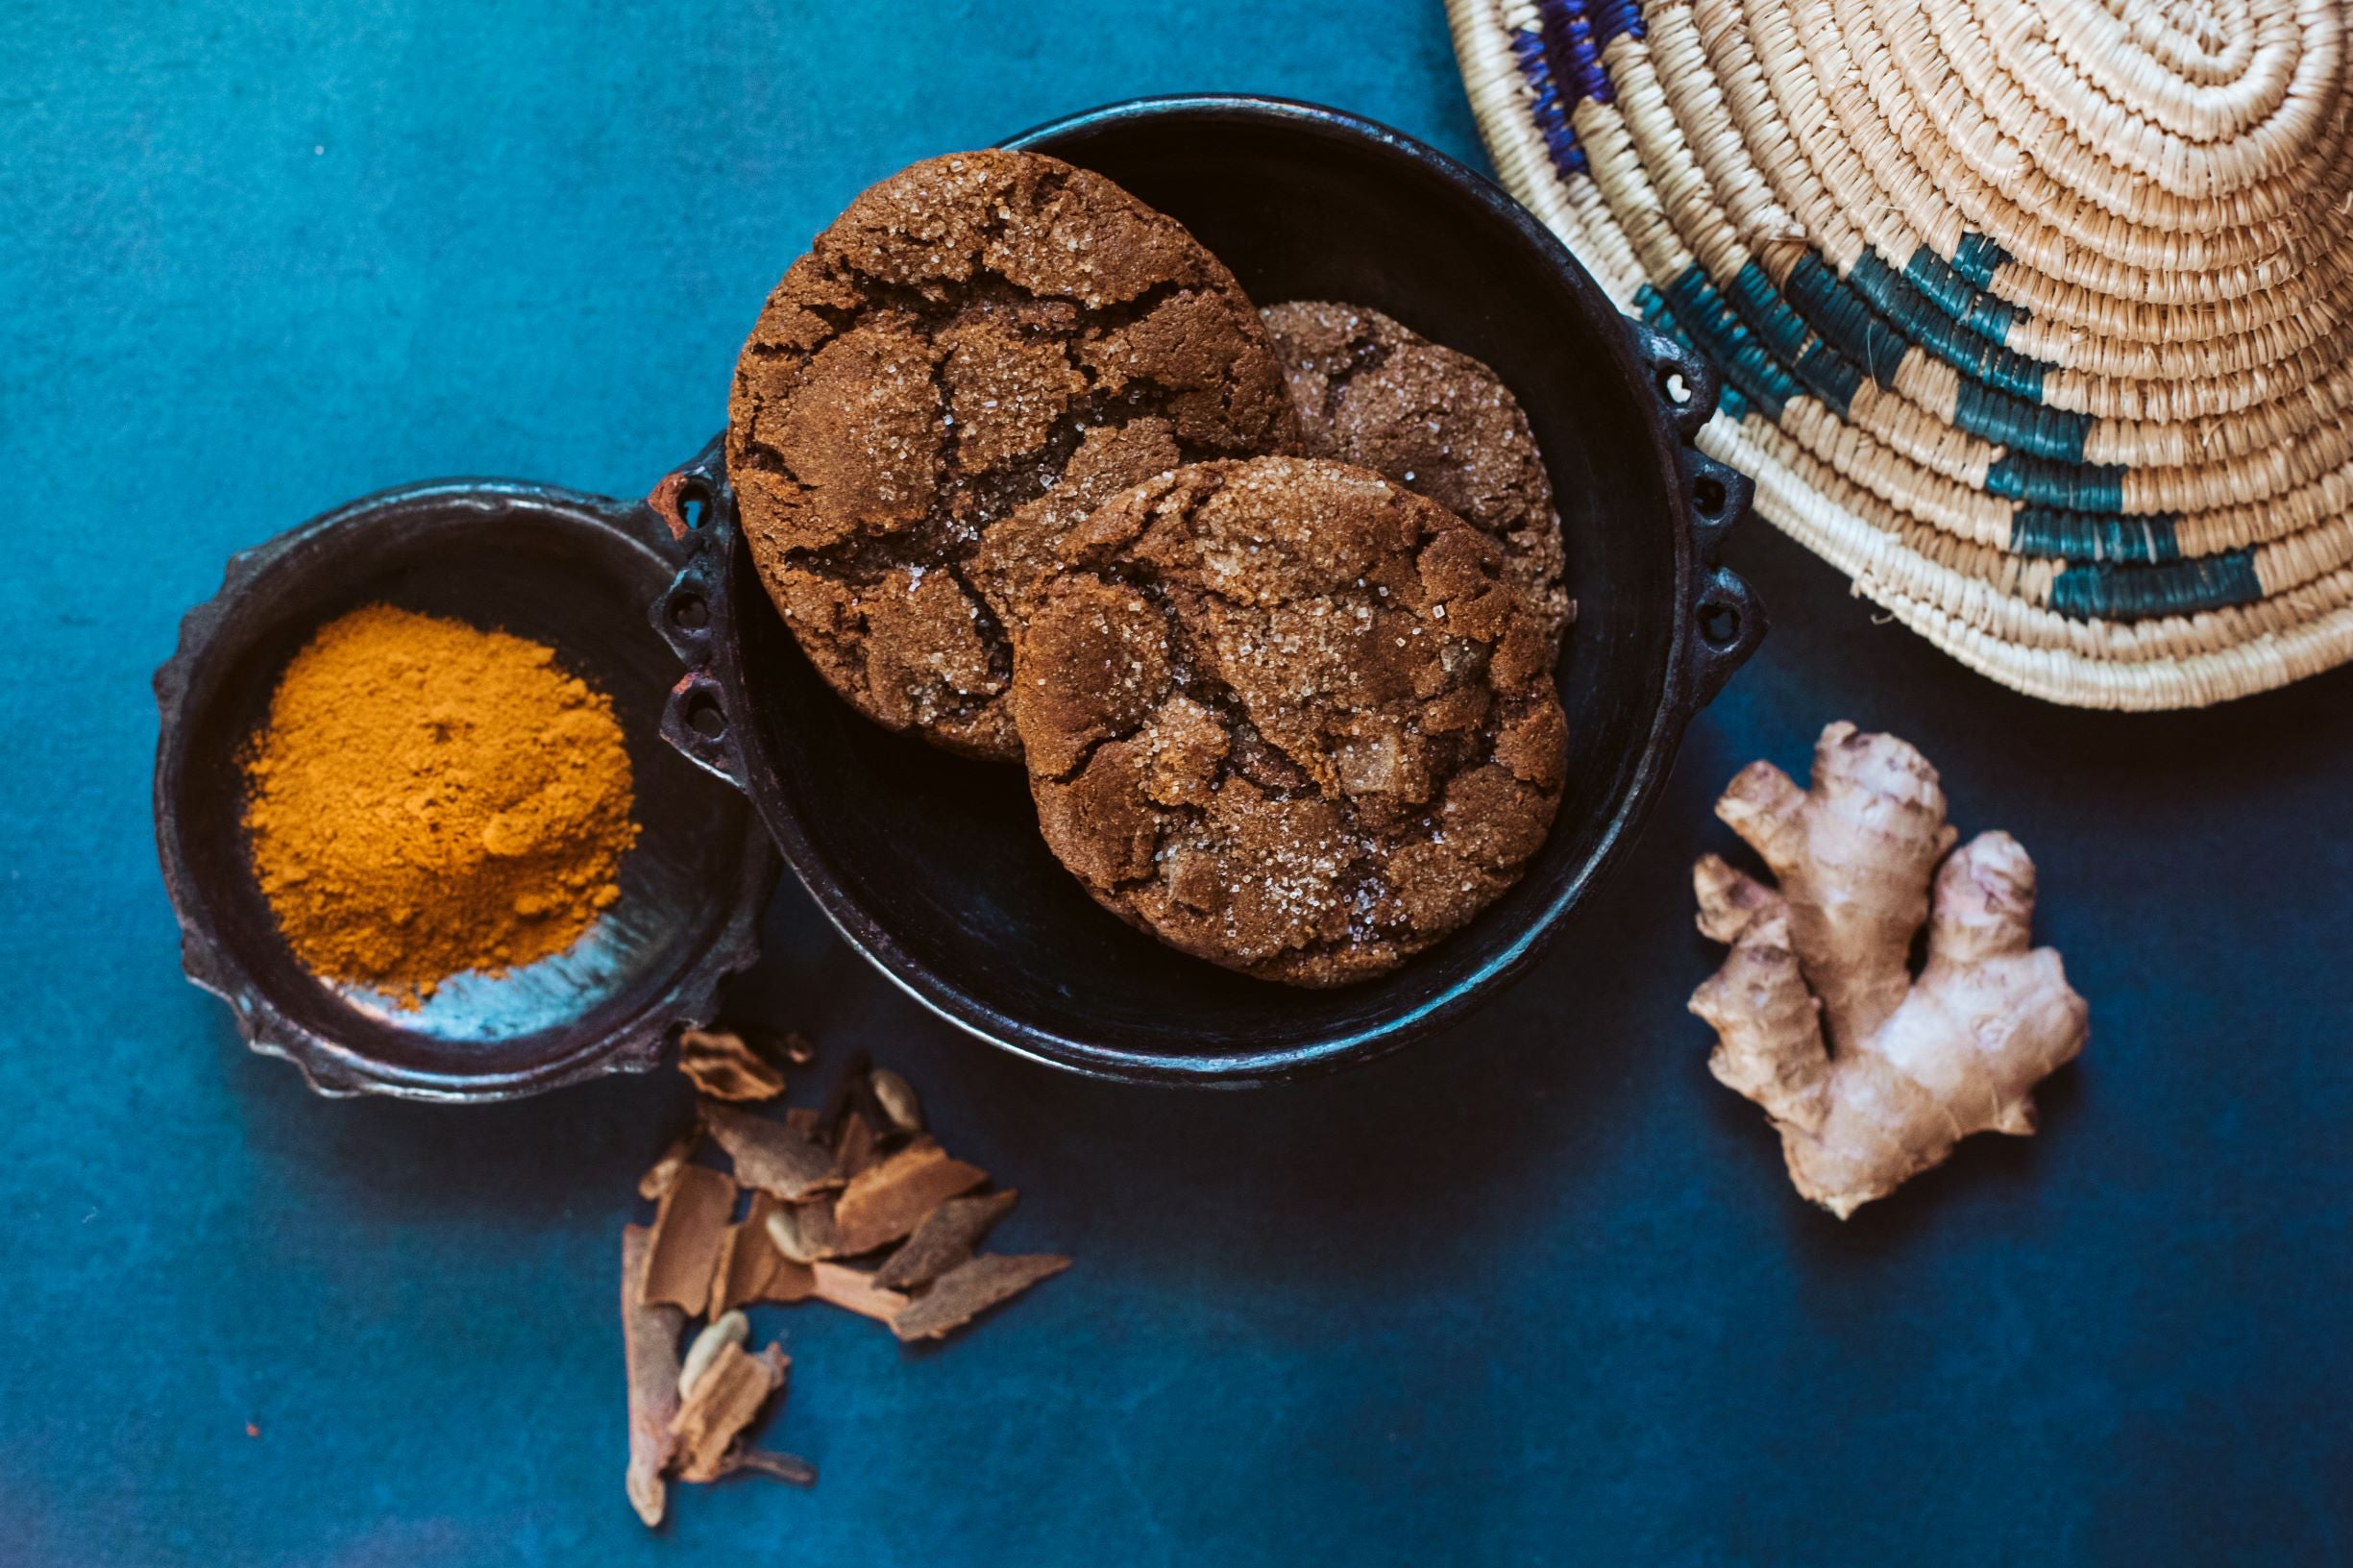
{"points": [[965, 332], [1288, 716], [1371, 392]]}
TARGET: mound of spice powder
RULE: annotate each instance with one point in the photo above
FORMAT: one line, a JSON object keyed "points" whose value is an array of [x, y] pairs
{"points": [[426, 798]]}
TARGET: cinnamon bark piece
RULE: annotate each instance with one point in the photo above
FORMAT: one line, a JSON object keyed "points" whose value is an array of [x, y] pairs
{"points": [[884, 1201], [771, 1155], [657, 1179], [853, 1290], [649, 1352], [790, 1468], [751, 1267], [969, 1288], [726, 1400], [723, 1065], [857, 1147], [946, 1239], [683, 1252]]}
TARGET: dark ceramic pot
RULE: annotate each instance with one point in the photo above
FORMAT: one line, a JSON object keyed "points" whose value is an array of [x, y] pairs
{"points": [[933, 867], [572, 570]]}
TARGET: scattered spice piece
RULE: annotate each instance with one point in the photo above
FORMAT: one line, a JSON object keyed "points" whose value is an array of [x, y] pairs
{"points": [[946, 1239], [725, 1330], [970, 1288], [751, 1268], [897, 1100], [769, 1155], [725, 1067], [726, 1399], [683, 1249], [784, 1235], [649, 1352], [656, 1181], [814, 1219], [857, 1147], [853, 1290], [849, 1088], [886, 1201], [767, 1461], [847, 1181]]}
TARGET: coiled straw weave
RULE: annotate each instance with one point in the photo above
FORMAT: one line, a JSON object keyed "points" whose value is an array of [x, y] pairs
{"points": [[2036, 317]]}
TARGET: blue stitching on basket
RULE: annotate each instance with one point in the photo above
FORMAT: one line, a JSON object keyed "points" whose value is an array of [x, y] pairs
{"points": [[1618, 18], [2074, 487], [2042, 531], [2127, 592], [1576, 53], [1552, 123]]}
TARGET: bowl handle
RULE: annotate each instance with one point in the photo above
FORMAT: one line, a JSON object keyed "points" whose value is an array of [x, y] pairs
{"points": [[696, 507], [1726, 620]]}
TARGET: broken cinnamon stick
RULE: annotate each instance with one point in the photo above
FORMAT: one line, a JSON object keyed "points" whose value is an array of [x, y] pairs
{"points": [[725, 1067], [855, 1149], [682, 1251], [970, 1288], [750, 1266], [853, 1290], [771, 1155], [726, 1399], [884, 1201], [656, 1181], [649, 1353], [945, 1238]]}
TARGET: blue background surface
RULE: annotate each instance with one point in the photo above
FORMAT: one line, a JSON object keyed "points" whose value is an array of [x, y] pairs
{"points": [[1536, 1291]]}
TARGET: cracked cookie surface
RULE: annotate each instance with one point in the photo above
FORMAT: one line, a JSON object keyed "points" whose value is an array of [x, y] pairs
{"points": [[964, 333], [1288, 716], [1370, 391]]}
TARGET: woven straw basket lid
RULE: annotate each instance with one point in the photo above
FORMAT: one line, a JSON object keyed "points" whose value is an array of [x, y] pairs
{"points": [[2036, 317]]}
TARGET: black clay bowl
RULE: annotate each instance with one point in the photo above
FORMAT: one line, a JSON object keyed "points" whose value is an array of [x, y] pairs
{"points": [[572, 570], [933, 867]]}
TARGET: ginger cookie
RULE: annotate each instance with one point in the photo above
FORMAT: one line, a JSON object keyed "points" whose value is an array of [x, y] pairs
{"points": [[1288, 716], [965, 332], [1371, 392]]}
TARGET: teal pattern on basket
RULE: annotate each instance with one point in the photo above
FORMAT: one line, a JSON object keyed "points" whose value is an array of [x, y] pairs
{"points": [[2078, 536], [1939, 281], [1821, 334], [2097, 589], [1659, 317], [2119, 566]]}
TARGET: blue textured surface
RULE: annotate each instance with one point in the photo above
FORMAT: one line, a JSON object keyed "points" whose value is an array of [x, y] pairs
{"points": [[1534, 1293]]}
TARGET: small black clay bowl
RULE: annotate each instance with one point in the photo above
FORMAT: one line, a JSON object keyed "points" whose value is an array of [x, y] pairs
{"points": [[934, 868], [572, 570]]}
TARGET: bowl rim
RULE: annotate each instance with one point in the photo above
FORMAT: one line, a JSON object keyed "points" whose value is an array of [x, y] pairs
{"points": [[1696, 667], [330, 1065]]}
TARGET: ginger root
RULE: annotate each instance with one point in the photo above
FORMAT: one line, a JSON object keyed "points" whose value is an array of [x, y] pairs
{"points": [[1873, 1075]]}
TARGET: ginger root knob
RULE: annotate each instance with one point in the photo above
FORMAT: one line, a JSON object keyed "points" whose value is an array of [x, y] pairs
{"points": [[1870, 1073]]}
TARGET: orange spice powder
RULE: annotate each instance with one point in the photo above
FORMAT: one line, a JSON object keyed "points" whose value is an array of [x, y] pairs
{"points": [[427, 797]]}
